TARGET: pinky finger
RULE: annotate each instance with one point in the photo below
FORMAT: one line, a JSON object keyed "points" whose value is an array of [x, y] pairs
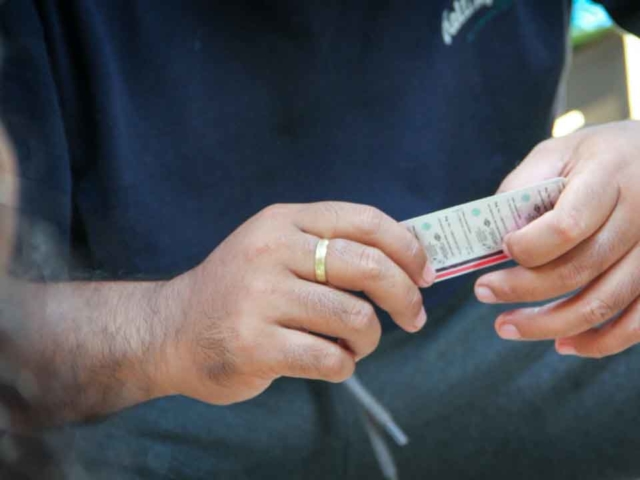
{"points": [[305, 355], [615, 337]]}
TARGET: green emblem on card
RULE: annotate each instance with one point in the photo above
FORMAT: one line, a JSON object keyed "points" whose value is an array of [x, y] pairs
{"points": [[526, 198], [476, 212], [426, 226]]}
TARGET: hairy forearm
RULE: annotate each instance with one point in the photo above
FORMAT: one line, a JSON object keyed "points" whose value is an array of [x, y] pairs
{"points": [[80, 350]]}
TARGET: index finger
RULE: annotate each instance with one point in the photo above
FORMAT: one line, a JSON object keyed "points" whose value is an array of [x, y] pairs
{"points": [[369, 226], [583, 207]]}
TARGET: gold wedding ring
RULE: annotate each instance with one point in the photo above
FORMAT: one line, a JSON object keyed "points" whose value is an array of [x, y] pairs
{"points": [[321, 260]]}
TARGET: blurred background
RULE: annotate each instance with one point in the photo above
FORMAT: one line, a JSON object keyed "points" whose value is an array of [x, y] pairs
{"points": [[604, 78]]}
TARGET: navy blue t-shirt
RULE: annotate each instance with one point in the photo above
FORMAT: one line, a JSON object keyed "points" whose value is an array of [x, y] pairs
{"points": [[147, 131]]}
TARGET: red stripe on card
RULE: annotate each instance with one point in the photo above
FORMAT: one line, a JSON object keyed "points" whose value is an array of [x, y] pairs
{"points": [[487, 262]]}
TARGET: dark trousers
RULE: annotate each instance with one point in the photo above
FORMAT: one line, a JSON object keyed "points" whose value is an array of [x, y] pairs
{"points": [[474, 406]]}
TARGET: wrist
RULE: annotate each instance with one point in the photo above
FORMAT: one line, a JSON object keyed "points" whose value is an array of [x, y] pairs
{"points": [[167, 301]]}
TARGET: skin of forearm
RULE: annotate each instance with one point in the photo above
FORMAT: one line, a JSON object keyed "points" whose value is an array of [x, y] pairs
{"points": [[83, 350], [72, 351]]}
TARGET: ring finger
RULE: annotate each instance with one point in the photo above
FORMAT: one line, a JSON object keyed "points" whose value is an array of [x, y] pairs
{"points": [[356, 267]]}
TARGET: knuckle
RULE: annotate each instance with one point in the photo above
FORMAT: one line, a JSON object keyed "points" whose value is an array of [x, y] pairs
{"points": [[283, 240], [304, 243], [310, 299], [568, 226], [604, 249], [371, 221], [340, 248], [509, 291], [335, 366], [276, 210], [260, 286], [317, 302], [372, 263], [522, 255], [414, 300], [574, 275], [328, 362], [595, 312], [332, 211], [362, 316], [416, 251], [593, 146]]}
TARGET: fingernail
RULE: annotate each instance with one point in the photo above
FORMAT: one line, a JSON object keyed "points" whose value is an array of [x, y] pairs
{"points": [[565, 349], [421, 320], [509, 332], [428, 276], [485, 294]]}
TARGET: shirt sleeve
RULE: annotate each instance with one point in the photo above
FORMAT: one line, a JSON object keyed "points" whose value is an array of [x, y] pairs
{"points": [[31, 113], [626, 13]]}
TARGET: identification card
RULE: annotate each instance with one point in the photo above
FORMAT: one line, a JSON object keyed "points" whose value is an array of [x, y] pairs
{"points": [[468, 237]]}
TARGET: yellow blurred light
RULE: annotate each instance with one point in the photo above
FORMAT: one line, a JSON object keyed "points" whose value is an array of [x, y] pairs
{"points": [[568, 123]]}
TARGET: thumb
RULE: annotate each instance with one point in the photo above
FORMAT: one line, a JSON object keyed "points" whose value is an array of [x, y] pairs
{"points": [[546, 161]]}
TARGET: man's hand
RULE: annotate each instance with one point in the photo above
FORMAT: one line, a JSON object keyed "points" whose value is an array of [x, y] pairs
{"points": [[253, 312], [589, 243]]}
